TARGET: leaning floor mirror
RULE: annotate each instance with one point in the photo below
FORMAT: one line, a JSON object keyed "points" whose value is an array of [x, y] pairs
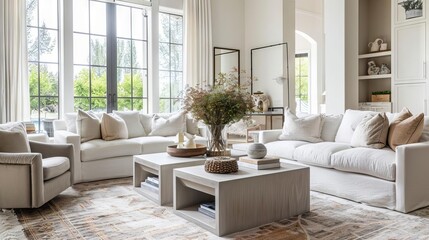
{"points": [[225, 60]]}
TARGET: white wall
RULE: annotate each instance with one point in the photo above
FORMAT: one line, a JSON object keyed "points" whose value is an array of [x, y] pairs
{"points": [[341, 59], [335, 56], [267, 23], [228, 26]]}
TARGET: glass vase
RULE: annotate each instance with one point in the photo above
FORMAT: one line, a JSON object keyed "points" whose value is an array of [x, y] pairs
{"points": [[217, 144]]}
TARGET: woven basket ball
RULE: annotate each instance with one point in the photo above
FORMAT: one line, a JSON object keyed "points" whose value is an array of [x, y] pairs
{"points": [[221, 165]]}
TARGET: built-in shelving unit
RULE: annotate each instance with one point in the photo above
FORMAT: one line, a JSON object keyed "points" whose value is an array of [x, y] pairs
{"points": [[376, 54], [380, 76], [375, 20]]}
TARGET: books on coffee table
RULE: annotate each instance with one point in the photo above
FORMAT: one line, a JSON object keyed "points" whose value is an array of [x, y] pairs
{"points": [[151, 184], [154, 181], [208, 209], [263, 163]]}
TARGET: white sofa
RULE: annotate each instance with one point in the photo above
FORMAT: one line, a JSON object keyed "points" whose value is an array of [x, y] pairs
{"points": [[98, 159], [378, 177]]}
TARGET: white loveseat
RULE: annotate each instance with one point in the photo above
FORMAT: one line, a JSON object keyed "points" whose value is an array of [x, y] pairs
{"points": [[99, 159], [378, 177]]}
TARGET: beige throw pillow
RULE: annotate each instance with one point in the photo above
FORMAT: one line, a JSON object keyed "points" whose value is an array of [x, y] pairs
{"points": [[405, 129], [113, 127], [132, 119], [13, 138], [308, 128], [168, 127], [371, 132], [87, 126]]}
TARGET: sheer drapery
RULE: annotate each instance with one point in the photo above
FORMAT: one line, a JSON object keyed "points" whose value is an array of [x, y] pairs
{"points": [[14, 90], [198, 42]]}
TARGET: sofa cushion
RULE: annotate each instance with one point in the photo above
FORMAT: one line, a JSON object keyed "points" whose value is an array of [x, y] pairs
{"points": [[100, 149], [87, 126], [132, 119], [307, 128], [13, 138], [113, 127], [283, 149], [350, 121], [330, 125], [318, 154], [371, 132], [153, 144], [405, 129], [375, 162], [168, 127], [54, 167]]}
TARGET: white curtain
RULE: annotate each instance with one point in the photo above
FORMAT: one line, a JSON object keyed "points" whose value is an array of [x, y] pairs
{"points": [[198, 61], [14, 91]]}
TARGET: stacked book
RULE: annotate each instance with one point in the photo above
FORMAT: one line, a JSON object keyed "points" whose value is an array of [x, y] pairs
{"points": [[208, 209], [263, 163], [151, 184]]}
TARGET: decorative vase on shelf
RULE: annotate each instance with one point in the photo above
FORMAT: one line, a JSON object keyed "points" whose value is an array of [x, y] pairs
{"points": [[217, 144]]}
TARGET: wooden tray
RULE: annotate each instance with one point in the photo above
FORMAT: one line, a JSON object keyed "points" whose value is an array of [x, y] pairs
{"points": [[186, 152]]}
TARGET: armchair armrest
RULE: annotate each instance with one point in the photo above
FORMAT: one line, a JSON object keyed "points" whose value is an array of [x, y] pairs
{"points": [[60, 125], [62, 136], [266, 136], [25, 171], [412, 167], [55, 150]]}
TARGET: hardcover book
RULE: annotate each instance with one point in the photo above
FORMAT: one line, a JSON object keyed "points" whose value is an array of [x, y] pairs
{"points": [[265, 160]]}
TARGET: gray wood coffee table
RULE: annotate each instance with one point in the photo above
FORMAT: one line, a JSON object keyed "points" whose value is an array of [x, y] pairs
{"points": [[243, 200], [159, 165]]}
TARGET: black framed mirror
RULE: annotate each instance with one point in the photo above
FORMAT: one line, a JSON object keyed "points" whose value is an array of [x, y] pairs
{"points": [[269, 67], [225, 60]]}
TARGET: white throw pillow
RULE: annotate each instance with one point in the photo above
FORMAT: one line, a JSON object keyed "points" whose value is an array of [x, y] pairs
{"points": [[132, 119], [371, 131], [168, 127], [13, 138], [308, 128], [192, 125], [330, 125], [351, 120], [146, 121], [70, 119], [113, 127], [87, 126]]}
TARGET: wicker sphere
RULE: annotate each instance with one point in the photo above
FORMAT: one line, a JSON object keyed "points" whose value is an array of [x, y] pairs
{"points": [[257, 150], [221, 165]]}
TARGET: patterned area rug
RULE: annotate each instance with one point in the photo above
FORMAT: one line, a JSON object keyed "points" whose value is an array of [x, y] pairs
{"points": [[112, 210]]}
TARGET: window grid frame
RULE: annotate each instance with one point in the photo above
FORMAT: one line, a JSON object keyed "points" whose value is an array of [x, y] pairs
{"points": [[299, 76], [131, 68], [170, 70], [38, 63]]}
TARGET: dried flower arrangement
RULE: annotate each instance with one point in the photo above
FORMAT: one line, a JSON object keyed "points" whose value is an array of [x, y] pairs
{"points": [[224, 103]]}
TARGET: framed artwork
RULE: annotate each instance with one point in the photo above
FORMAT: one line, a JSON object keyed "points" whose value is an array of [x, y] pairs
{"points": [[409, 10]]}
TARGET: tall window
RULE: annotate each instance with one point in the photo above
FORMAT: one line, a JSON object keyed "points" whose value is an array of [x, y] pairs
{"points": [[110, 56], [43, 59], [302, 84], [170, 61], [132, 58]]}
